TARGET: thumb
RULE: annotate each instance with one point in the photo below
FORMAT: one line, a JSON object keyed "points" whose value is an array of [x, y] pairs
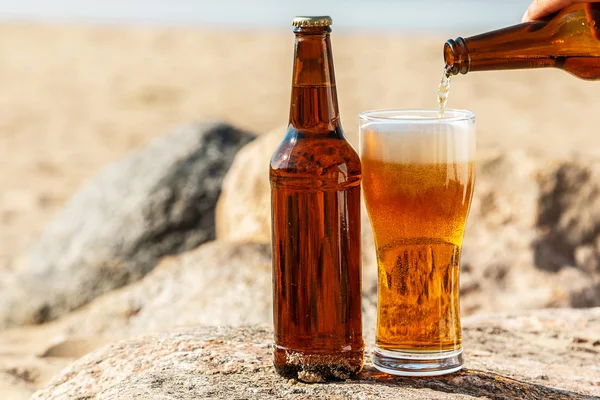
{"points": [[541, 8]]}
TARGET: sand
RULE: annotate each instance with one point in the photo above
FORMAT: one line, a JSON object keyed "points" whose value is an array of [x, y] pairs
{"points": [[74, 98]]}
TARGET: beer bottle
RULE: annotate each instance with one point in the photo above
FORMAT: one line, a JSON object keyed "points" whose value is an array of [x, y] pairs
{"points": [[568, 39], [315, 179]]}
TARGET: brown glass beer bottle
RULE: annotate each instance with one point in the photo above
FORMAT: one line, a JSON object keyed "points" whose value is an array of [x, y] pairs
{"points": [[568, 39], [315, 198]]}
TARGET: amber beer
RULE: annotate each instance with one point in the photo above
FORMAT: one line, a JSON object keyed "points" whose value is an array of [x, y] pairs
{"points": [[315, 192], [568, 40], [418, 177]]}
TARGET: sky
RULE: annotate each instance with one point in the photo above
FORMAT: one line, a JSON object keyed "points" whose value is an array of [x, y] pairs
{"points": [[397, 15]]}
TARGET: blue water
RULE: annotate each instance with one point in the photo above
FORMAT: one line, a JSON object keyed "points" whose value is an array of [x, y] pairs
{"points": [[396, 15]]}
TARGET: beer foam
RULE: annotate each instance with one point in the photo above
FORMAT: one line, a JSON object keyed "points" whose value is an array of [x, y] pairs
{"points": [[417, 142]]}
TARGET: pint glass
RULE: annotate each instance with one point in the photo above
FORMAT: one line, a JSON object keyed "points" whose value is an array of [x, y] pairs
{"points": [[418, 177]]}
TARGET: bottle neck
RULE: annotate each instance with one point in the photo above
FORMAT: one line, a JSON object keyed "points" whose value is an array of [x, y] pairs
{"points": [[496, 51], [536, 44], [314, 103]]}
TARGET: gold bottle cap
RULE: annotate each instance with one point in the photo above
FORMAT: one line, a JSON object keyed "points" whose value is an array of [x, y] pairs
{"points": [[312, 21]]}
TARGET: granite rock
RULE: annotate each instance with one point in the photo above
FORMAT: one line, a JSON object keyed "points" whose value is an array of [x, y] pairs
{"points": [[158, 200], [548, 354]]}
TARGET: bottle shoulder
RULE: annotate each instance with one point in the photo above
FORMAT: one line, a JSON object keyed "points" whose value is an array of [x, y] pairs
{"points": [[326, 161], [315, 156]]}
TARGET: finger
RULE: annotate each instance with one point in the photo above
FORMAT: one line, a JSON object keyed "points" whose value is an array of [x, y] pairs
{"points": [[541, 8]]}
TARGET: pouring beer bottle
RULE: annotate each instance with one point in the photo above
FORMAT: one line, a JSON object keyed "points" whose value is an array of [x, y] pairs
{"points": [[568, 39], [315, 179]]}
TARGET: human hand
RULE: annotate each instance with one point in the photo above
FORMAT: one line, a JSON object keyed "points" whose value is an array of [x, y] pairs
{"points": [[540, 8]]}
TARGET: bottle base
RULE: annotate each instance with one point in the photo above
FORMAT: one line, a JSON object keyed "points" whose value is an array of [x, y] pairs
{"points": [[321, 367], [418, 363]]}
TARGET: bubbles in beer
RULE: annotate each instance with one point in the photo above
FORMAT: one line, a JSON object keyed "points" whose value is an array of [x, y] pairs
{"points": [[443, 92], [418, 296]]}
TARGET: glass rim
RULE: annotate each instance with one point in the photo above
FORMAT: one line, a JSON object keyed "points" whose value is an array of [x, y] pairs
{"points": [[416, 115]]}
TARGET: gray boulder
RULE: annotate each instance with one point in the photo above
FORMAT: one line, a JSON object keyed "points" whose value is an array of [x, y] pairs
{"points": [[217, 284], [158, 200], [547, 355]]}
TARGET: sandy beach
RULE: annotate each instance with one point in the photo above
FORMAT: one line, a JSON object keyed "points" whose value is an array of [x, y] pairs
{"points": [[74, 98]]}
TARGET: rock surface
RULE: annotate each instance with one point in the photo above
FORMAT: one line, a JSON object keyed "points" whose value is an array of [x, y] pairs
{"points": [[529, 218], [549, 354], [219, 283], [532, 238], [242, 217], [156, 201]]}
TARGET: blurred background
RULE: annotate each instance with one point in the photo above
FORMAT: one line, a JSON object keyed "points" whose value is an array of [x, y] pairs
{"points": [[394, 15], [83, 83]]}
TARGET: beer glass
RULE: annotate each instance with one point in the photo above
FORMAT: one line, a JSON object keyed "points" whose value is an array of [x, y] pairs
{"points": [[418, 176]]}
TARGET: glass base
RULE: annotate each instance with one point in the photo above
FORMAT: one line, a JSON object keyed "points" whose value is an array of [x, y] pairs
{"points": [[418, 363]]}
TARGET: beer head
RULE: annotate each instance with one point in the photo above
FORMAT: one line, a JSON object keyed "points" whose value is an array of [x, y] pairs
{"points": [[418, 174], [418, 137]]}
